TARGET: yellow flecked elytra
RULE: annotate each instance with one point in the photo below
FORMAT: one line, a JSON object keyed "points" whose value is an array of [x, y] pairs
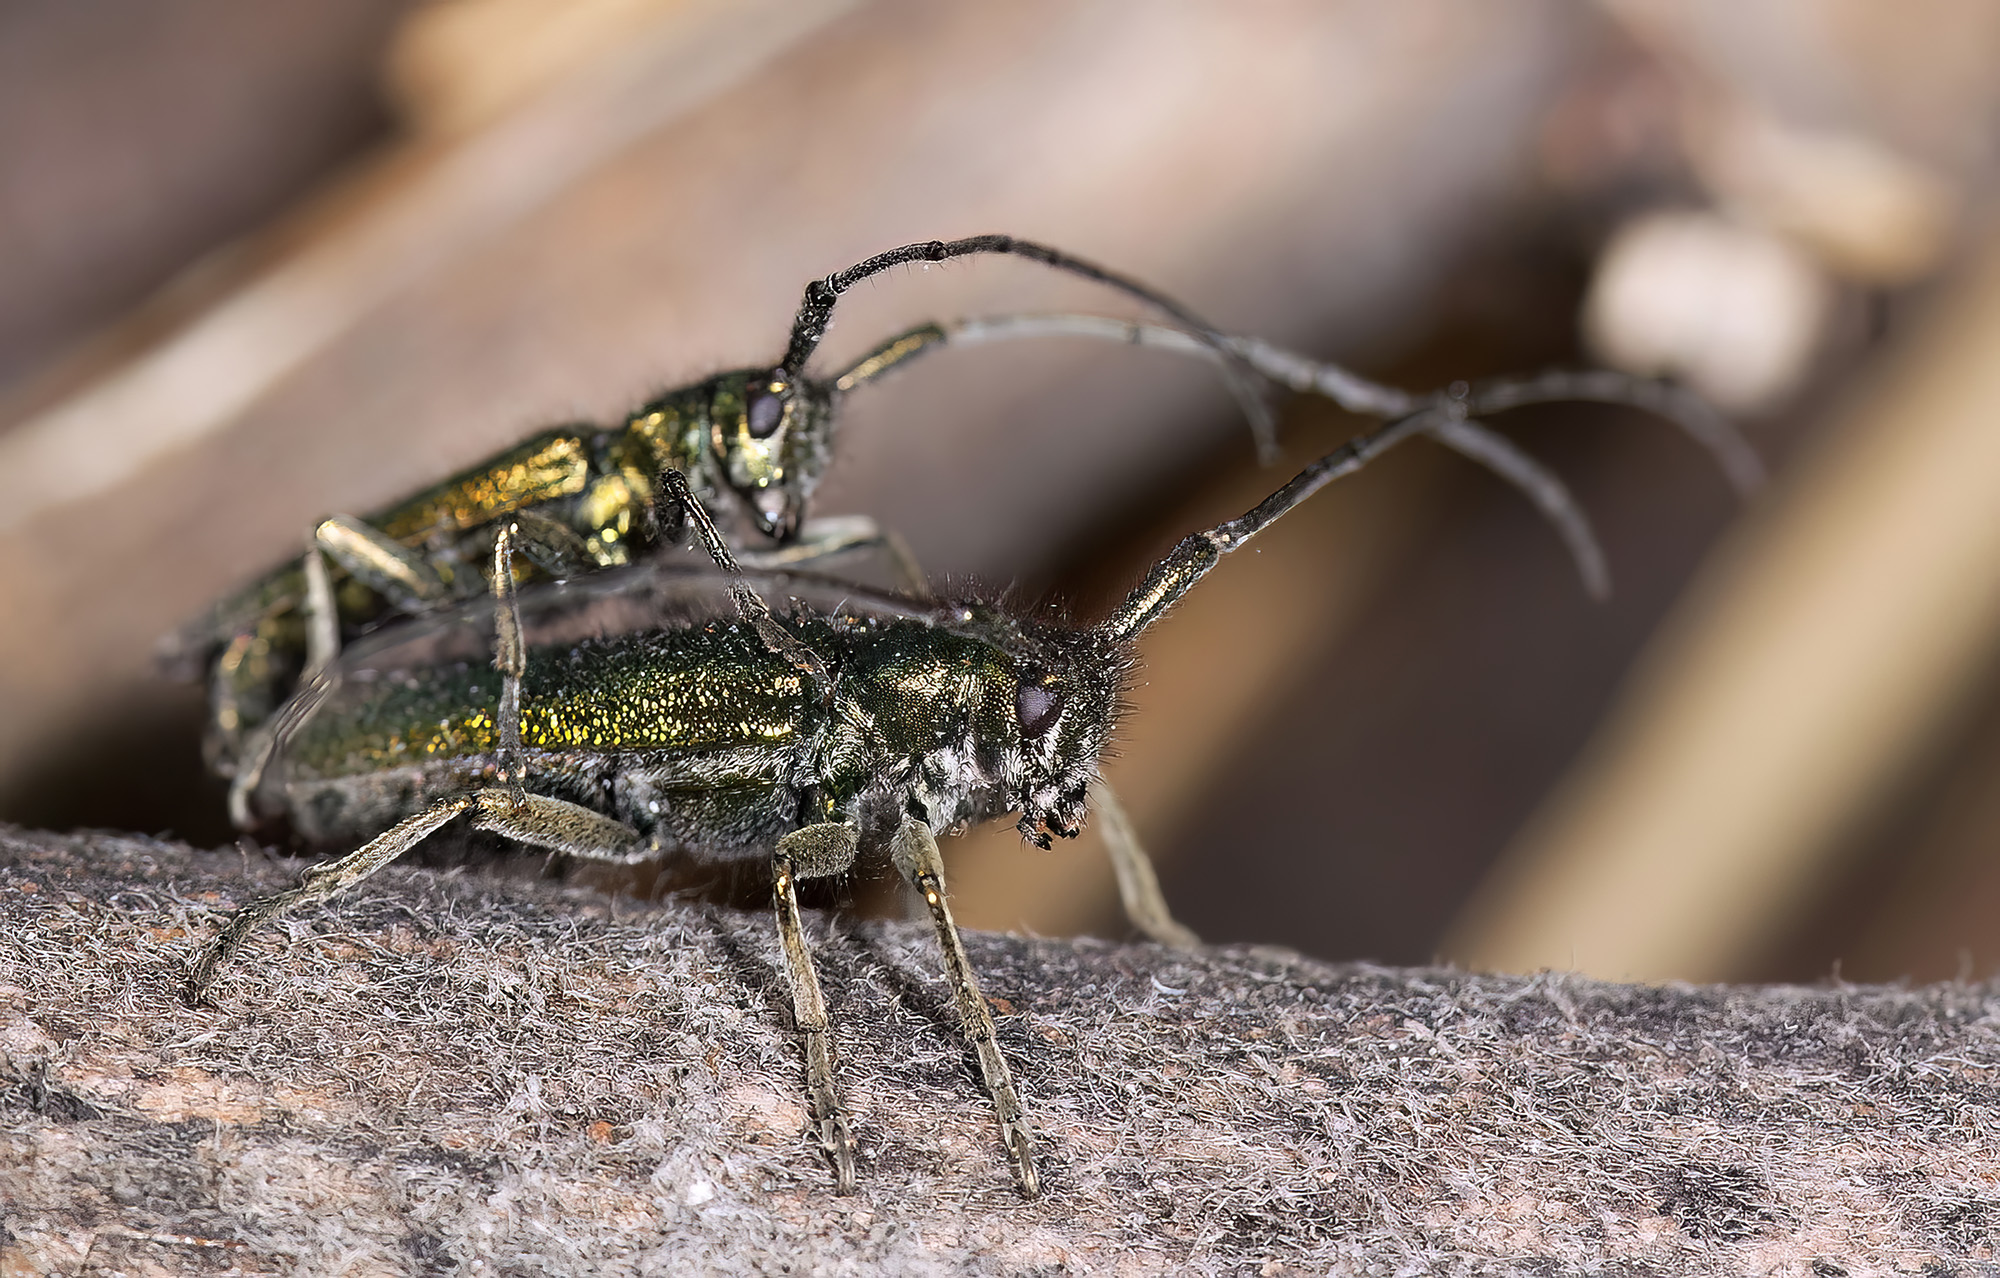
{"points": [[712, 689], [541, 470]]}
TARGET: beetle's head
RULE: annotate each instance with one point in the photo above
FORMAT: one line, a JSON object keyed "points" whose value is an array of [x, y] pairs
{"points": [[1065, 703], [771, 439]]}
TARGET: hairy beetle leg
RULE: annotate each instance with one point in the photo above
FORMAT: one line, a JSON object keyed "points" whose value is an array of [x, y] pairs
{"points": [[804, 852], [1138, 886], [533, 819], [823, 539], [915, 852]]}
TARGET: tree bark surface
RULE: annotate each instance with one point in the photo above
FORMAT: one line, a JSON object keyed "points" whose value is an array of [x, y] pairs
{"points": [[459, 1072]]}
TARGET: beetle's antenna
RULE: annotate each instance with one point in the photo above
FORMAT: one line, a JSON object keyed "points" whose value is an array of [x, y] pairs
{"points": [[1190, 561], [822, 295], [1539, 485], [1456, 429], [896, 352], [1697, 419], [1296, 372]]}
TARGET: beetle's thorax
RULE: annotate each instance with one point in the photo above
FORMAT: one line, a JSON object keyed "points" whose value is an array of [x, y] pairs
{"points": [[1038, 714]]}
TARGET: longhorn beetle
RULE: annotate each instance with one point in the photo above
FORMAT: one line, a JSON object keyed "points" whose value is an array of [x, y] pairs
{"points": [[583, 499], [696, 733]]}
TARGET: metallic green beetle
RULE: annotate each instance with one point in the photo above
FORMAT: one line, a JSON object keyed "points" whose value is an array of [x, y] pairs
{"points": [[632, 717], [582, 498]]}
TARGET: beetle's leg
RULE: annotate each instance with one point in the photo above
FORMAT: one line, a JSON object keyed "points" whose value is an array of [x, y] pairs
{"points": [[560, 826], [372, 558], [544, 541], [405, 577], [914, 582], [380, 562], [749, 603], [249, 774], [815, 851], [510, 657], [550, 545], [254, 749], [262, 744], [1138, 887], [840, 535], [240, 683], [915, 853], [818, 539], [549, 823], [322, 614], [678, 502], [320, 882], [225, 702]]}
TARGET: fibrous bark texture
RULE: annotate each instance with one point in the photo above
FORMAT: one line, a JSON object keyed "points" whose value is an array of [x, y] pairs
{"points": [[453, 1072]]}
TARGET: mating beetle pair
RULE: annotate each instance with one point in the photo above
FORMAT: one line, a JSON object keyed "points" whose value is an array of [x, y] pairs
{"points": [[637, 712], [581, 498]]}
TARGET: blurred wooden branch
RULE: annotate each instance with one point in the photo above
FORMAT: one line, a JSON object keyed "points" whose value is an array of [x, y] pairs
{"points": [[459, 1071], [459, 64], [368, 241], [1828, 647]]}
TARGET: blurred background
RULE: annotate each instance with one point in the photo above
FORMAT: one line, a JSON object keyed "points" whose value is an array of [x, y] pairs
{"points": [[263, 262]]}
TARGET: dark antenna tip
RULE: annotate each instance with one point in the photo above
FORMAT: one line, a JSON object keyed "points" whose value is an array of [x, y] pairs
{"points": [[822, 295]]}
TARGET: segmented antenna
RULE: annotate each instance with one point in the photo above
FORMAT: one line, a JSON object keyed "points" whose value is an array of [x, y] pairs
{"points": [[1455, 427], [1197, 553], [822, 295]]}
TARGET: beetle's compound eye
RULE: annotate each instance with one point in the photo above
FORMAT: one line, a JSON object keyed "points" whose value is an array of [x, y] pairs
{"points": [[1038, 703], [764, 409]]}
